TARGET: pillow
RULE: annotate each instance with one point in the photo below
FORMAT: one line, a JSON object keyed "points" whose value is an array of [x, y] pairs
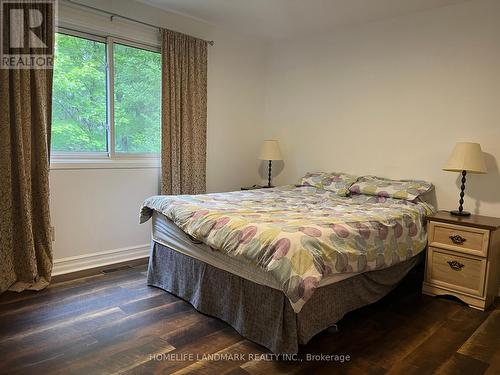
{"points": [[338, 183], [382, 187]]}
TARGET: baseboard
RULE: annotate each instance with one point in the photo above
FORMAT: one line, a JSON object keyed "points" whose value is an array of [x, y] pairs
{"points": [[99, 259]]}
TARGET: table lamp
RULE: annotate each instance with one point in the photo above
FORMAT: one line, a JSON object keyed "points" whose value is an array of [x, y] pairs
{"points": [[270, 150], [466, 157]]}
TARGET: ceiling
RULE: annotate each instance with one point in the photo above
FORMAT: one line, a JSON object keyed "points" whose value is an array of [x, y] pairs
{"points": [[279, 19]]}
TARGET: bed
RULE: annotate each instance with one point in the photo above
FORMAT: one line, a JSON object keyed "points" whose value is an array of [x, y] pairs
{"points": [[281, 265]]}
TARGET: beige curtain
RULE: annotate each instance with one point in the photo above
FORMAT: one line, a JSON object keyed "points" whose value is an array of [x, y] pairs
{"points": [[184, 113], [25, 110]]}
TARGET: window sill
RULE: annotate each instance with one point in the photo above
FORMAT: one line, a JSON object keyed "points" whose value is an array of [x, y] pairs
{"points": [[68, 164]]}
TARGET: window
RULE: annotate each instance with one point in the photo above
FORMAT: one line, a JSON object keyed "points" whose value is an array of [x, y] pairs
{"points": [[79, 119], [106, 98], [137, 99]]}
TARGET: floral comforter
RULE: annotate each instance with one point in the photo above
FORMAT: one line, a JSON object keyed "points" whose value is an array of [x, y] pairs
{"points": [[300, 234]]}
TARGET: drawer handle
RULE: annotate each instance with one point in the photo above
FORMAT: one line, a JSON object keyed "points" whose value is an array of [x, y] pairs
{"points": [[457, 239], [456, 266]]}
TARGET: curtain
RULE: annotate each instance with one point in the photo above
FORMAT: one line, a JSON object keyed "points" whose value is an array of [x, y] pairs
{"points": [[25, 116], [184, 113]]}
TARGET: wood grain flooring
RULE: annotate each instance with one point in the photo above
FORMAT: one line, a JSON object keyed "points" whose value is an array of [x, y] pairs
{"points": [[113, 323]]}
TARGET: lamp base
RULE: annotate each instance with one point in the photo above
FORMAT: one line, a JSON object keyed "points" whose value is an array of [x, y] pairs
{"points": [[460, 213]]}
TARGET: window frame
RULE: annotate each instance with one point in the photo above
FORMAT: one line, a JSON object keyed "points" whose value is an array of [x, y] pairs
{"points": [[110, 158]]}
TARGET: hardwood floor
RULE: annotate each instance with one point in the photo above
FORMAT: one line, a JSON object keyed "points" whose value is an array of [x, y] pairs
{"points": [[114, 323]]}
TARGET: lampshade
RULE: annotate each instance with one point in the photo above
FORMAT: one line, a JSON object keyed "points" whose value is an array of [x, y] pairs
{"points": [[466, 156], [270, 150]]}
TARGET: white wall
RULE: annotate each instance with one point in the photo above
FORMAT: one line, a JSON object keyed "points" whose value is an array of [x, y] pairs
{"points": [[96, 210], [391, 98]]}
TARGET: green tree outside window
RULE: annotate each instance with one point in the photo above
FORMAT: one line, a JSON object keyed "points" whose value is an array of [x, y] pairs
{"points": [[79, 105]]}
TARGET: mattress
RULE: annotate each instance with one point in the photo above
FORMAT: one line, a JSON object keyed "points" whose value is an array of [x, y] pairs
{"points": [[301, 237], [168, 234]]}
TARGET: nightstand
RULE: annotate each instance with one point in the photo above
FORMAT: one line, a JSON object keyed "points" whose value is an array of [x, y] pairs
{"points": [[462, 258], [254, 187]]}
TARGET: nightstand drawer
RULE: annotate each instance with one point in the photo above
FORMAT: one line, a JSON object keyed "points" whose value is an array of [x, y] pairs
{"points": [[456, 271], [459, 238]]}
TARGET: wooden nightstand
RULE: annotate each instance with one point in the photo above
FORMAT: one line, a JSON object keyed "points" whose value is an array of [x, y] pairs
{"points": [[462, 258], [254, 187]]}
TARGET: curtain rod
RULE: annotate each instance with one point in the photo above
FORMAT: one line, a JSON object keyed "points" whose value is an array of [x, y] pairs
{"points": [[112, 15]]}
